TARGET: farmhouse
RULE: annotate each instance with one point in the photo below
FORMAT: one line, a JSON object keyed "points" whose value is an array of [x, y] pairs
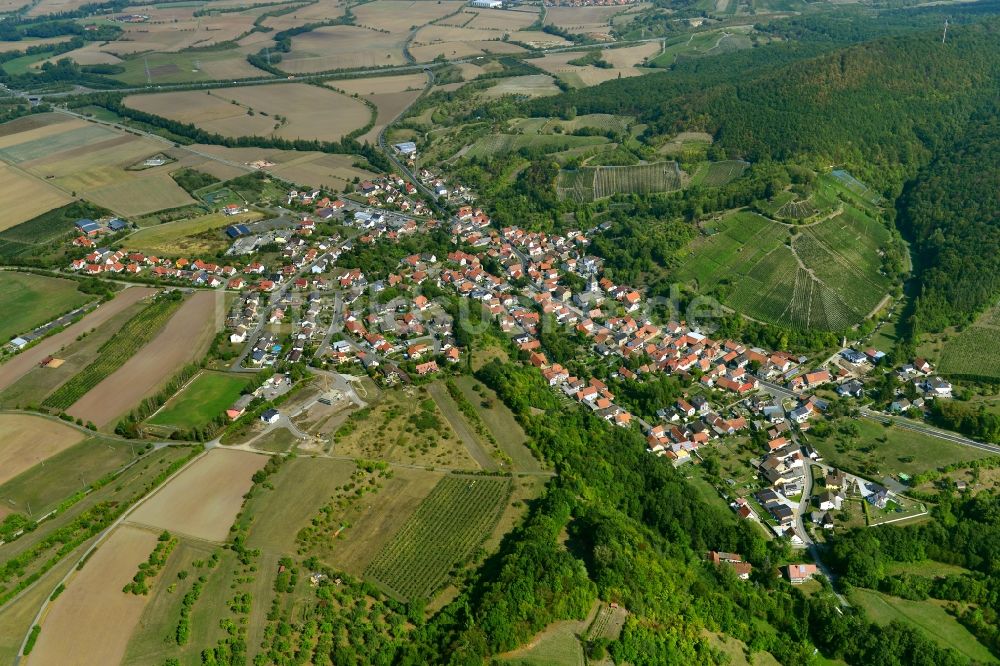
{"points": [[800, 573]]}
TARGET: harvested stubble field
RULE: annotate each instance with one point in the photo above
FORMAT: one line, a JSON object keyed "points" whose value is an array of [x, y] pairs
{"points": [[17, 367], [92, 161], [182, 340], [29, 300], [342, 47], [28, 440], [453, 42], [93, 618], [186, 237], [173, 28], [307, 168], [309, 112], [203, 500], [91, 54], [114, 353], [497, 19], [401, 16], [26, 197], [446, 528], [582, 19], [391, 95], [625, 61]]}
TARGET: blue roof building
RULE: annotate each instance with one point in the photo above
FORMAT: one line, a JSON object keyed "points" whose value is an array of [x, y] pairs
{"points": [[117, 225], [88, 227], [237, 230]]}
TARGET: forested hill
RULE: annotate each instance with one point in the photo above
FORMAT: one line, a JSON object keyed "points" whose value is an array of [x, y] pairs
{"points": [[882, 108], [952, 213]]}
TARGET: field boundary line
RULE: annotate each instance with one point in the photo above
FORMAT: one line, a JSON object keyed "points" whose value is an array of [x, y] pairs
{"points": [[101, 538]]}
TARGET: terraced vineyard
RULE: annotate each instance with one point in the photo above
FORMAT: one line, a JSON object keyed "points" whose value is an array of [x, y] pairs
{"points": [[113, 354], [825, 277], [450, 523], [589, 183]]}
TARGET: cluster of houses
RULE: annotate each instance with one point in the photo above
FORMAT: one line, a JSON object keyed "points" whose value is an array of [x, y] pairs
{"points": [[393, 193], [438, 184]]}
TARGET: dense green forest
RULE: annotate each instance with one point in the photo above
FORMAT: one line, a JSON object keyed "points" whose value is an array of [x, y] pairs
{"points": [[952, 213], [865, 106]]}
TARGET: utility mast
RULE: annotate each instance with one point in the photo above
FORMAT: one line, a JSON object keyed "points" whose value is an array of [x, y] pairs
{"points": [[944, 35], [145, 61]]}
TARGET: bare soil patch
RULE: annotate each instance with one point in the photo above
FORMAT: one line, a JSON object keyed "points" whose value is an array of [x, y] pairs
{"points": [[202, 502]]}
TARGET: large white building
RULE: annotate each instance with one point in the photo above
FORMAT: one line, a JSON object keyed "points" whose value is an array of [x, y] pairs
{"points": [[487, 4]]}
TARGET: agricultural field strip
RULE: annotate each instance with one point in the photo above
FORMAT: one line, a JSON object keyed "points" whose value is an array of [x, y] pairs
{"points": [[445, 529], [114, 353]]}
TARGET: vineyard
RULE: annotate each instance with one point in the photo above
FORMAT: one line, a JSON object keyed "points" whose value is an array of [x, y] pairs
{"points": [[975, 351], [447, 527], [827, 278], [721, 173], [576, 185], [113, 354], [796, 210], [589, 183]]}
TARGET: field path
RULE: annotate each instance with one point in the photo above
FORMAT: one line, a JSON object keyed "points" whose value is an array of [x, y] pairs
{"points": [[21, 364], [184, 338]]}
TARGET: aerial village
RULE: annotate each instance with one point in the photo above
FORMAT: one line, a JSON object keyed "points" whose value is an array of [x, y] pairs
{"points": [[336, 317]]}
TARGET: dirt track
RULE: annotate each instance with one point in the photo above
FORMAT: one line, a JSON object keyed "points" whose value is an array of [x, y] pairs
{"points": [[185, 338], [21, 364]]}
